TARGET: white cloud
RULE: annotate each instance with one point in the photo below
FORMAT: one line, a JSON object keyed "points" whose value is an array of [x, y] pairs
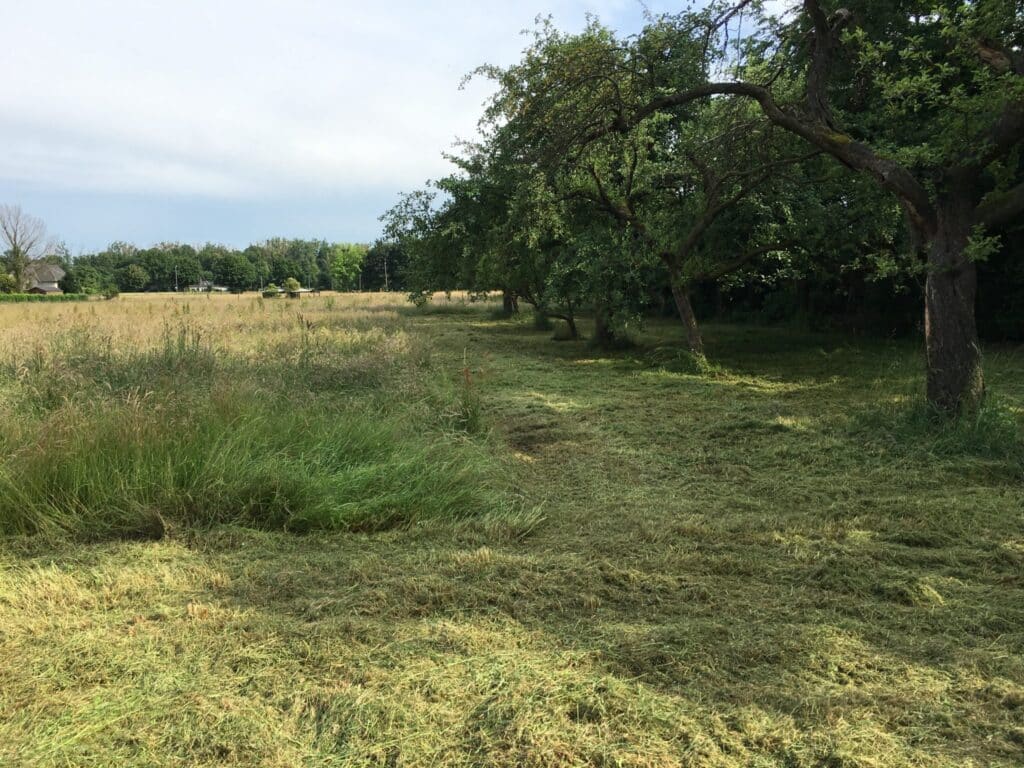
{"points": [[248, 98]]}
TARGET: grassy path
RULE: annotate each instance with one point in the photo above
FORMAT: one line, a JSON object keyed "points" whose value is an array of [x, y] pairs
{"points": [[768, 563]]}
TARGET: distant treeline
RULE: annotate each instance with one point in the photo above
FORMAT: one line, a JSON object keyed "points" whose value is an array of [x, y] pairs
{"points": [[316, 264]]}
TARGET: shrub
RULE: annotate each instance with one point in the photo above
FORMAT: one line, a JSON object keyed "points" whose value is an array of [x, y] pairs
{"points": [[9, 298]]}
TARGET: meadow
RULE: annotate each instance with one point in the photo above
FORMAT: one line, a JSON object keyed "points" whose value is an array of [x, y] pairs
{"points": [[344, 531]]}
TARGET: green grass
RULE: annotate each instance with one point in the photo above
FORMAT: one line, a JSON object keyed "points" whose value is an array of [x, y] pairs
{"points": [[775, 558], [321, 432], [135, 470]]}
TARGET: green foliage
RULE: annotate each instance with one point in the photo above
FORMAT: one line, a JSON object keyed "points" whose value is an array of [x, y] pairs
{"points": [[981, 246], [17, 298], [175, 266], [613, 170], [346, 263], [234, 270], [7, 283], [291, 285], [132, 278]]}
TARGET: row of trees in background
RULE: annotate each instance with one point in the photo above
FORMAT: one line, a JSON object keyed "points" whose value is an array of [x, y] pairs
{"points": [[317, 264], [724, 147]]}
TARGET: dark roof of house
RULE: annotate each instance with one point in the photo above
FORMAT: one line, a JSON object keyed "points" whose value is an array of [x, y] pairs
{"points": [[41, 272]]}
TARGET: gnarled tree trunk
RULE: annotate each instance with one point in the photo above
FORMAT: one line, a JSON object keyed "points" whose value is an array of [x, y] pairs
{"points": [[604, 334], [682, 297], [955, 379], [509, 302], [570, 324]]}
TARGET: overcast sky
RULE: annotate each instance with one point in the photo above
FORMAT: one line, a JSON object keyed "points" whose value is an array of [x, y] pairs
{"points": [[236, 120]]}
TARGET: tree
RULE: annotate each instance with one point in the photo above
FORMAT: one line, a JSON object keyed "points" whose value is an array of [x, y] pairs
{"points": [[171, 266], [346, 262], [23, 239], [132, 278], [83, 278], [384, 267], [413, 225], [233, 270], [926, 98], [665, 186], [706, 197]]}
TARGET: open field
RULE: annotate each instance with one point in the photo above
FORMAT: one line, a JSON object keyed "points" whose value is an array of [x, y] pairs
{"points": [[341, 531]]}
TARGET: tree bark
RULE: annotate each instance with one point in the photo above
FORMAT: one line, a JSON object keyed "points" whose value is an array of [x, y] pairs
{"points": [[955, 381], [685, 308], [570, 322], [509, 303], [604, 336]]}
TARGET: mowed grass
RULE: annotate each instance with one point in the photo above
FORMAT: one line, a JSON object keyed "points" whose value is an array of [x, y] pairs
{"points": [[775, 559]]}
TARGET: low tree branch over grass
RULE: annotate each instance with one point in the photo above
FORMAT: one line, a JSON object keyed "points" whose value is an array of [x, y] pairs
{"points": [[943, 216]]}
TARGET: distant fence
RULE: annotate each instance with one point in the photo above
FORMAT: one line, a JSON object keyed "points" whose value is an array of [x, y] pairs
{"points": [[14, 298]]}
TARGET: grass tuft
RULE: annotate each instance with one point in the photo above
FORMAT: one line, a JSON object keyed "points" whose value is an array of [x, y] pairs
{"points": [[134, 470], [911, 425]]}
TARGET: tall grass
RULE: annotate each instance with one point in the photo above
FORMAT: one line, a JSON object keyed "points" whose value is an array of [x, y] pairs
{"points": [[314, 424], [137, 470]]}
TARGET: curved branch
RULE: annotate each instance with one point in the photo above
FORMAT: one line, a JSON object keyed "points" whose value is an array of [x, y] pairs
{"points": [[1001, 210], [889, 174]]}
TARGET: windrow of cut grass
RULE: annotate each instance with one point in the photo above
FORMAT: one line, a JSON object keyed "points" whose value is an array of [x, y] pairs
{"points": [[321, 425]]}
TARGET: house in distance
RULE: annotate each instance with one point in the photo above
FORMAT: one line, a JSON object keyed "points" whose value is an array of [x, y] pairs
{"points": [[42, 278]]}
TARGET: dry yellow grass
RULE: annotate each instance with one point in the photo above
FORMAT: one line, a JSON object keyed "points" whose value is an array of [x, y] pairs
{"points": [[238, 323]]}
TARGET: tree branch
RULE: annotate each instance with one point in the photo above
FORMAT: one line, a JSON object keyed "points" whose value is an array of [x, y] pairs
{"points": [[889, 174], [725, 268], [1000, 210], [713, 209]]}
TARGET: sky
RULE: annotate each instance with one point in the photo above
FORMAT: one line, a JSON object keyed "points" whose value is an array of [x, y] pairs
{"points": [[232, 121]]}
